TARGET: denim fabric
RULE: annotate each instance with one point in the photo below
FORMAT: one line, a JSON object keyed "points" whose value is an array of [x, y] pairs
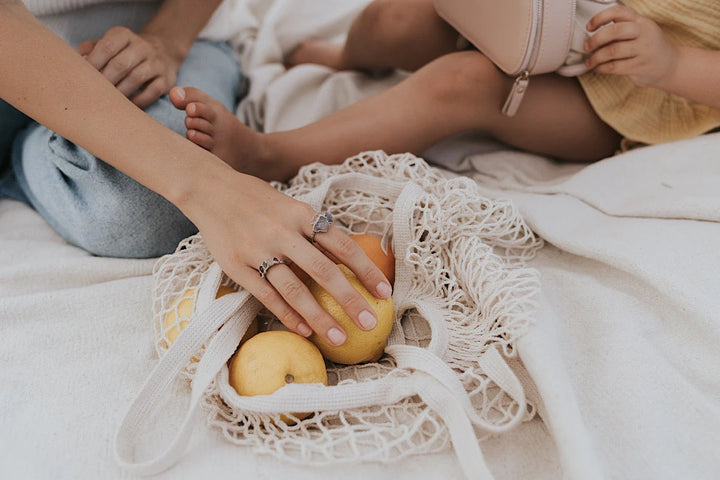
{"points": [[11, 122], [90, 203]]}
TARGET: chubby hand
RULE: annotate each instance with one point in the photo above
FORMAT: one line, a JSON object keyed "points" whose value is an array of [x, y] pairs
{"points": [[142, 66], [630, 44], [244, 221]]}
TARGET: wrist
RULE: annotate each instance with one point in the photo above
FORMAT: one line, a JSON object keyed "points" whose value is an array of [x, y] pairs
{"points": [[176, 46], [672, 78], [195, 182]]}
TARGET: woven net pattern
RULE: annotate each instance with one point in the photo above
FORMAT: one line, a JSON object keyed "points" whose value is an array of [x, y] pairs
{"points": [[466, 252]]}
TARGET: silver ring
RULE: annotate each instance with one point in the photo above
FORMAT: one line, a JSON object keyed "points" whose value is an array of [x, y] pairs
{"points": [[268, 264], [320, 223]]}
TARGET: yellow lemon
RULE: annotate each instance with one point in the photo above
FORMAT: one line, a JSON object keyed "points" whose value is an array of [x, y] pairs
{"points": [[177, 319], [272, 359], [361, 345]]}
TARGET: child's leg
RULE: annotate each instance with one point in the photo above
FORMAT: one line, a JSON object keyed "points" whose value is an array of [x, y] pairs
{"points": [[387, 34], [457, 92]]}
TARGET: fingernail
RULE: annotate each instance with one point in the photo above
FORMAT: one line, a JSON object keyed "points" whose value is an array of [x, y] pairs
{"points": [[367, 320], [585, 46], [384, 289], [304, 329], [336, 336], [180, 92]]}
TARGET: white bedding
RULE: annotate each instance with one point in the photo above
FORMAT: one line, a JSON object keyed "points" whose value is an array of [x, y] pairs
{"points": [[625, 350]]}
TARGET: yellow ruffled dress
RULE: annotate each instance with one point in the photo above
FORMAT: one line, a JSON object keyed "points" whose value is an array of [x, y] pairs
{"points": [[649, 115]]}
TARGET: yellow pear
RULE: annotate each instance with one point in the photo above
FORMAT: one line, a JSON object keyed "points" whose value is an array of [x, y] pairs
{"points": [[271, 360], [361, 345], [177, 319]]}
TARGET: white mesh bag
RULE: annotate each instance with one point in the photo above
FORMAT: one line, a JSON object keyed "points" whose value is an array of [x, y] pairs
{"points": [[463, 295]]}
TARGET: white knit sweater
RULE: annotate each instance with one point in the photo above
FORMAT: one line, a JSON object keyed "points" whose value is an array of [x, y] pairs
{"points": [[50, 7]]}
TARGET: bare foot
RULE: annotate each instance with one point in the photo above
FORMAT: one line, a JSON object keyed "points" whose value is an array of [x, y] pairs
{"points": [[216, 129], [320, 52]]}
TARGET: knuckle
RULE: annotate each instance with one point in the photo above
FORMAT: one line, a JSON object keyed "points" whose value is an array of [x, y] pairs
{"points": [[346, 246], [266, 294], [613, 50], [609, 67], [118, 30], [292, 289], [154, 90], [287, 316], [350, 301], [139, 74], [322, 267], [121, 64], [108, 47]]}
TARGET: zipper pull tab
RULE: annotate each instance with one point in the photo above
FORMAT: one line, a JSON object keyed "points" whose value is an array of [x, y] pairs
{"points": [[516, 94]]}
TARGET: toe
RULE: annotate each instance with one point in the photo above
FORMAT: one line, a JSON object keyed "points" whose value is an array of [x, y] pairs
{"points": [[202, 110], [201, 139], [200, 124], [178, 97]]}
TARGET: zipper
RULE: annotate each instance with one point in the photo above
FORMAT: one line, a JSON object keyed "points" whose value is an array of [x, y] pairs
{"points": [[517, 92]]}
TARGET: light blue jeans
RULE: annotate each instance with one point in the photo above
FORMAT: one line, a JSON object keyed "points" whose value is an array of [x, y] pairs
{"points": [[90, 203]]}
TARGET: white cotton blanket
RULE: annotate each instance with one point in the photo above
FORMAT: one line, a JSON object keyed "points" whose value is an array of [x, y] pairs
{"points": [[624, 351]]}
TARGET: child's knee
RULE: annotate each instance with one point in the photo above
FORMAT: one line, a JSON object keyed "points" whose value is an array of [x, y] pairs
{"points": [[388, 23], [467, 78]]}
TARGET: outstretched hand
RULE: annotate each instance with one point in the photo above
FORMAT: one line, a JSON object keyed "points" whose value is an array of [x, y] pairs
{"points": [[630, 44], [245, 221], [142, 66]]}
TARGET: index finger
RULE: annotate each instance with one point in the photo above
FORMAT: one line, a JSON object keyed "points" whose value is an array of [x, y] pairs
{"points": [[619, 13]]}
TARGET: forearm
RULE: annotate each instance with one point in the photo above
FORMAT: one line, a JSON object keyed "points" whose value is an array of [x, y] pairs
{"points": [[43, 77], [180, 35], [696, 76]]}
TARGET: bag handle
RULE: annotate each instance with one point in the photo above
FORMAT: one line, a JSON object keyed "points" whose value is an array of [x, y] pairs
{"points": [[491, 363], [232, 314]]}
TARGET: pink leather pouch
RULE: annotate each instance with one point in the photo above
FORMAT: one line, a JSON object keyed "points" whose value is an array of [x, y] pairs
{"points": [[525, 37]]}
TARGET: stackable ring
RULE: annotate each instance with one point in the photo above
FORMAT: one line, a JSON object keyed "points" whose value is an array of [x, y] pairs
{"points": [[268, 264], [320, 223]]}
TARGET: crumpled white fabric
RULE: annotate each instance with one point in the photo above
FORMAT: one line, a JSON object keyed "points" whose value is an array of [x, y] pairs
{"points": [[624, 353]]}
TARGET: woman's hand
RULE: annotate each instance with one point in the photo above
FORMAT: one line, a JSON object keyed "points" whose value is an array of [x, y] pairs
{"points": [[632, 45], [245, 221], [142, 66]]}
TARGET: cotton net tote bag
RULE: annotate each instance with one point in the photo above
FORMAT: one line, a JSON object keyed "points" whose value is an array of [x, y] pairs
{"points": [[462, 296]]}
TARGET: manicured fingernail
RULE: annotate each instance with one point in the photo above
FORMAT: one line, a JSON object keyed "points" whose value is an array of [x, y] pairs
{"points": [[304, 329], [384, 289], [336, 336], [367, 320], [180, 92]]}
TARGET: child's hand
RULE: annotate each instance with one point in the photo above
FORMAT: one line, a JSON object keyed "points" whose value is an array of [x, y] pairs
{"points": [[142, 66], [631, 45]]}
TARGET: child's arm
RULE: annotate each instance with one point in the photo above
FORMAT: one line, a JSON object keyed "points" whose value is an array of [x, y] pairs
{"points": [[635, 46], [144, 65]]}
